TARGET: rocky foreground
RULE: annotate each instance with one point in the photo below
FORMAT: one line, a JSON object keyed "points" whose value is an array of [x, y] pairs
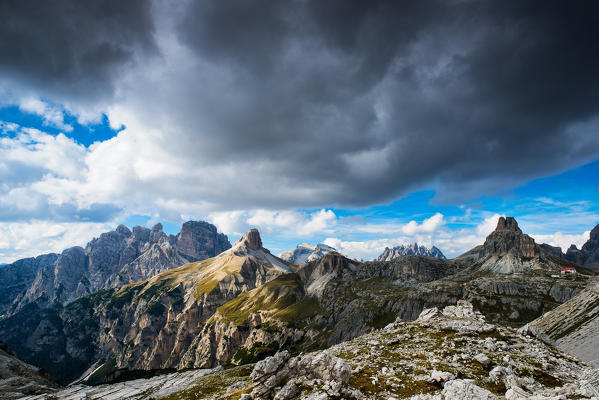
{"points": [[445, 354]]}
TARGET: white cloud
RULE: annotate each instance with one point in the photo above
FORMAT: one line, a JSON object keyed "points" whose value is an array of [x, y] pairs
{"points": [[430, 232], [52, 116], [428, 225], [29, 239], [562, 240], [269, 222]]}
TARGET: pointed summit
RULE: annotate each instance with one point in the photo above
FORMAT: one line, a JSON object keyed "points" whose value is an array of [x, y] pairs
{"points": [[508, 238], [508, 224], [252, 239]]}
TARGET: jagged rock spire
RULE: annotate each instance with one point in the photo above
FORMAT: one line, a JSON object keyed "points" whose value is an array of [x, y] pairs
{"points": [[251, 239], [508, 224], [508, 238]]}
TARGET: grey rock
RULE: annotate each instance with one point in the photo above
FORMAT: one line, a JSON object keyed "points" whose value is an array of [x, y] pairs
{"points": [[466, 389]]}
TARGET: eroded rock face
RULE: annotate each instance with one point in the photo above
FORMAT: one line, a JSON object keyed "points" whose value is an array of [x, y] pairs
{"points": [[508, 238], [201, 240], [15, 278], [115, 258], [252, 239], [320, 369]]}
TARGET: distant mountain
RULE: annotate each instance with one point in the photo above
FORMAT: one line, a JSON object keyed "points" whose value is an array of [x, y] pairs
{"points": [[508, 250], [111, 260], [304, 253], [409, 250], [588, 255]]}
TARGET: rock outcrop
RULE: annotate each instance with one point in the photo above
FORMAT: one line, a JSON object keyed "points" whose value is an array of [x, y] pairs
{"points": [[283, 377], [508, 250], [200, 240], [18, 379], [573, 326], [409, 250], [588, 255], [305, 253], [111, 260]]}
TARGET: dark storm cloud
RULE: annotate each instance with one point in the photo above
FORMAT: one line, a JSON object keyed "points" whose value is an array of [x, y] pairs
{"points": [[71, 49], [358, 102], [478, 96]]}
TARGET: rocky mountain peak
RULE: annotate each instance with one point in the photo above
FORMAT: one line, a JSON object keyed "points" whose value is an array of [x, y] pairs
{"points": [[252, 239], [508, 224], [508, 238], [198, 236], [123, 230], [157, 227]]}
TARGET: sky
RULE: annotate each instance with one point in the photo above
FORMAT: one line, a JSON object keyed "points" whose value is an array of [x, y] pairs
{"points": [[358, 124]]}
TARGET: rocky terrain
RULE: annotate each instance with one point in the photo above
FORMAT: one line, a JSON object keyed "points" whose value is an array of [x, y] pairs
{"points": [[588, 255], [448, 354], [409, 250], [112, 260], [304, 253], [18, 379]]}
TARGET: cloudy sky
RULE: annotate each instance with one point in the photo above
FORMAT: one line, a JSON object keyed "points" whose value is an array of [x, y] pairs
{"points": [[359, 124]]}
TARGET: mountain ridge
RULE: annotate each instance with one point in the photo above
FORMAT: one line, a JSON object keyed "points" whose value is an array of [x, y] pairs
{"points": [[111, 260], [409, 250], [304, 253], [246, 303]]}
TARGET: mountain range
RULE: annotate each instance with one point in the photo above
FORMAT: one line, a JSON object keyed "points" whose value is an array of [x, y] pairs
{"points": [[115, 258], [244, 304], [409, 250]]}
